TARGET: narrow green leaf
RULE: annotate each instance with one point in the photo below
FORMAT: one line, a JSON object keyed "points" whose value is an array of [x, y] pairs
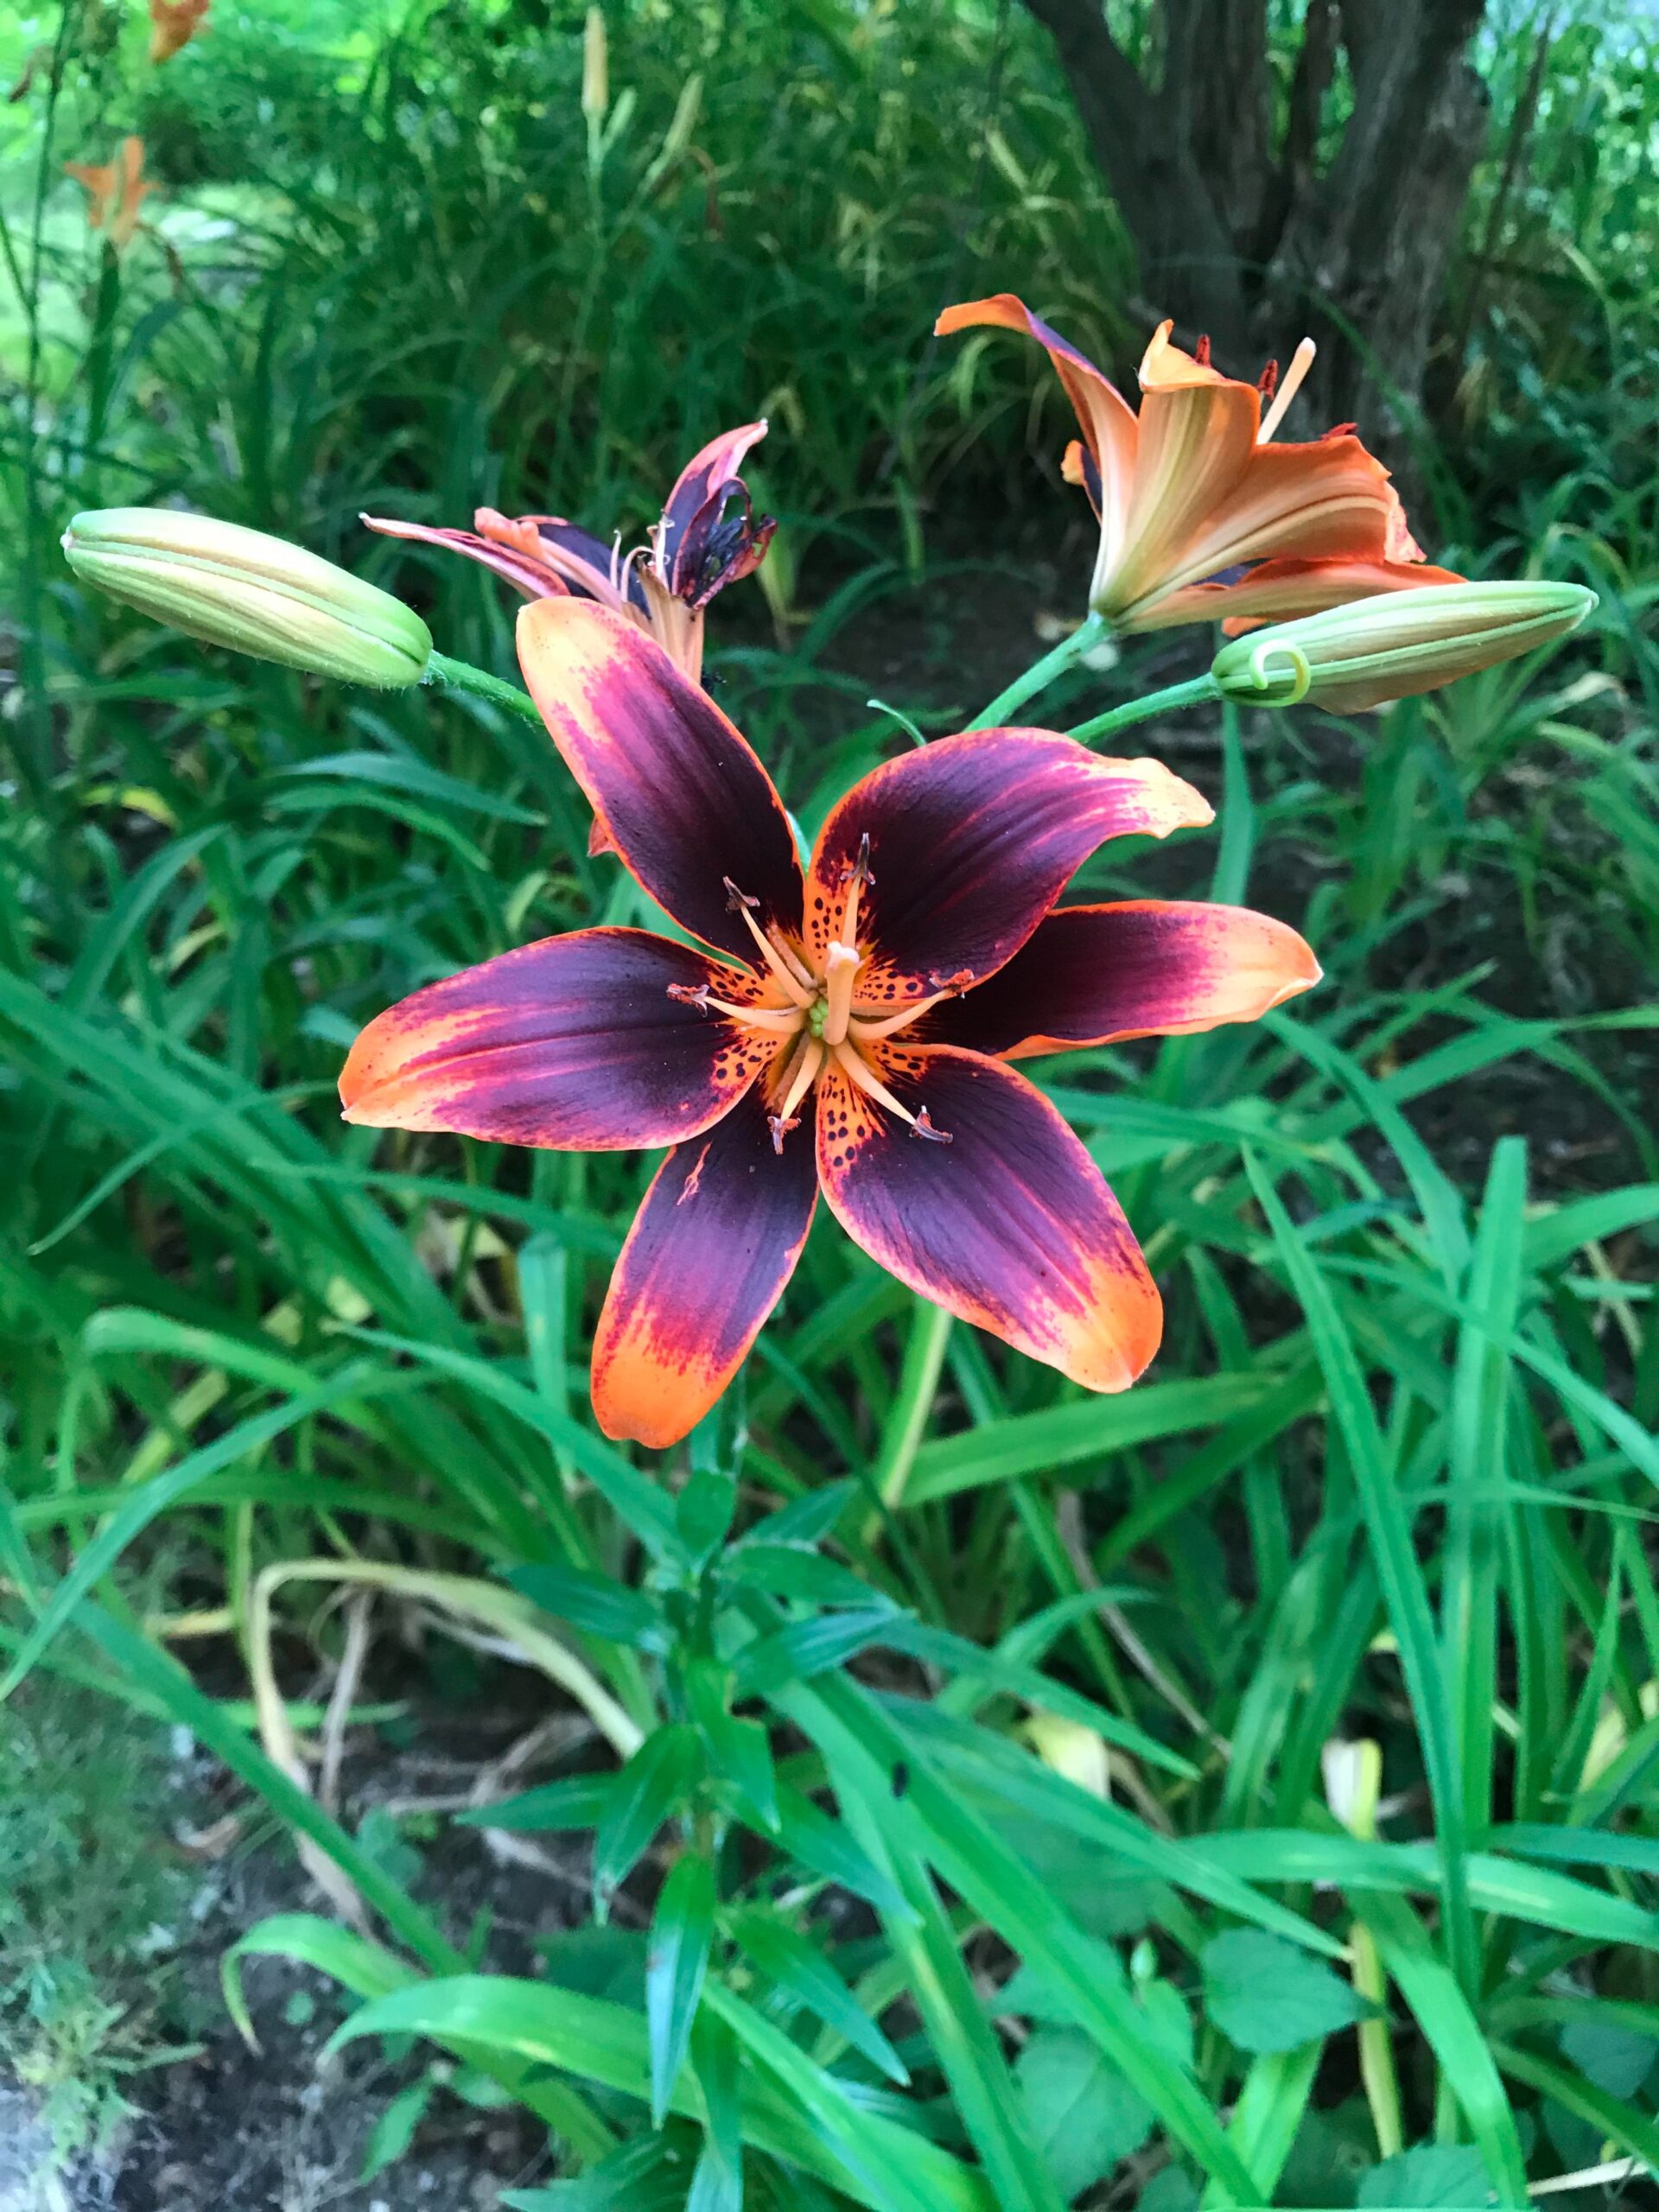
{"points": [[647, 1791], [803, 1973], [1388, 1523], [681, 1930], [594, 1604], [581, 1801]]}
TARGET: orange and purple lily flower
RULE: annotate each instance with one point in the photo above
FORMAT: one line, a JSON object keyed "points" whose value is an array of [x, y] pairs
{"points": [[707, 537], [846, 1028], [1202, 517]]}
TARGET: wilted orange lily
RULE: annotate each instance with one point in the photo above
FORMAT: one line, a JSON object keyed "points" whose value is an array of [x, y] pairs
{"points": [[886, 990], [707, 538], [173, 24], [116, 191], [1193, 489]]}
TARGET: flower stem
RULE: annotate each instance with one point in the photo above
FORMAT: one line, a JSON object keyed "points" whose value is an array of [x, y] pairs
{"points": [[1092, 631], [462, 676], [1155, 702]]}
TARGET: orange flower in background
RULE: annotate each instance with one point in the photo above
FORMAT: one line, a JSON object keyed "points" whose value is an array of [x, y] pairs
{"points": [[116, 191], [1202, 517], [173, 24], [847, 1027]]}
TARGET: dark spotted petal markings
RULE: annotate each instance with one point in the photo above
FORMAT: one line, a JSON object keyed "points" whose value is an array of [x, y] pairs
{"points": [[706, 1260], [1009, 1225], [1144, 968], [687, 802], [573, 1043], [972, 839]]}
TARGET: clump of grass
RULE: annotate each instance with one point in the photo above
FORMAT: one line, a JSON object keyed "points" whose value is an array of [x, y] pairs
{"points": [[89, 1904]]}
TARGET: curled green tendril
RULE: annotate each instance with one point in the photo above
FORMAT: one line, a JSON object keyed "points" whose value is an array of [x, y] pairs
{"points": [[1301, 670]]}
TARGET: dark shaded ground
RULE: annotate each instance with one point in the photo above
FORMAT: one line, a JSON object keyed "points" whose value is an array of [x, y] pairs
{"points": [[236, 2130]]}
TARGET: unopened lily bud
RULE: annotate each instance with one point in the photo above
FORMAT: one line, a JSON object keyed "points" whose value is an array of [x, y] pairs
{"points": [[595, 66], [1395, 644], [257, 595]]}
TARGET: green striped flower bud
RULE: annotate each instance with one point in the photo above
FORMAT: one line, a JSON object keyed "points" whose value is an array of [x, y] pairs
{"points": [[257, 594], [1395, 644]]}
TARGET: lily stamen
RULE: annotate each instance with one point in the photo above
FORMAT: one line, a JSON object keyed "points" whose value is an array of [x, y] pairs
{"points": [[1289, 385], [788, 973], [780, 1020], [859, 876], [802, 1074], [863, 1031], [859, 1071]]}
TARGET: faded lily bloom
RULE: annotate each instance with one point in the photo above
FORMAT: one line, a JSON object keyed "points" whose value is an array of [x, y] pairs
{"points": [[878, 998], [116, 190], [707, 537], [173, 24], [1202, 517], [1391, 647], [256, 593]]}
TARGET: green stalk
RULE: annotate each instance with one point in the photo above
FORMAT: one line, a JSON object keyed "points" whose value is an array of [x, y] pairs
{"points": [[1094, 630], [462, 676], [908, 1417], [1166, 701]]}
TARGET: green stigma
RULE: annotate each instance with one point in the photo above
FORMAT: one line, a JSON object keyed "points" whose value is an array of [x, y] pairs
{"points": [[816, 1014]]}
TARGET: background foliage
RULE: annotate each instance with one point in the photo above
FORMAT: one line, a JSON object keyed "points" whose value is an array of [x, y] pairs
{"points": [[986, 1812]]}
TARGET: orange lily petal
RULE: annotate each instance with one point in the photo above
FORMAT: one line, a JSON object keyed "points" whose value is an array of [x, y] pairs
{"points": [[1105, 417], [1165, 367], [711, 1248], [1329, 500], [1009, 1225], [971, 840], [1137, 968], [574, 1043], [1276, 591], [687, 804]]}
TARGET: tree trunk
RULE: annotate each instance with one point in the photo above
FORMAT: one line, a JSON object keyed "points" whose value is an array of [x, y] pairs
{"points": [[1250, 240]]}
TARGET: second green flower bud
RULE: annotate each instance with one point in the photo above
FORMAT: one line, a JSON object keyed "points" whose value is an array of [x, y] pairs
{"points": [[1395, 644]]}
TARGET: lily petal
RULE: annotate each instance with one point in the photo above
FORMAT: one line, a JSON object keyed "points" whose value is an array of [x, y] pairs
{"points": [[542, 555], [687, 802], [1276, 591], [711, 1248], [1198, 440], [1165, 367], [1139, 968], [1328, 500], [972, 839], [1010, 1225], [573, 1043], [1105, 417], [699, 551], [526, 571]]}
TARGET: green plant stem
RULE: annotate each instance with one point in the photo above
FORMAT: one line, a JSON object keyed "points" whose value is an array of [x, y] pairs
{"points": [[918, 1384], [1093, 631], [1166, 701], [462, 676]]}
